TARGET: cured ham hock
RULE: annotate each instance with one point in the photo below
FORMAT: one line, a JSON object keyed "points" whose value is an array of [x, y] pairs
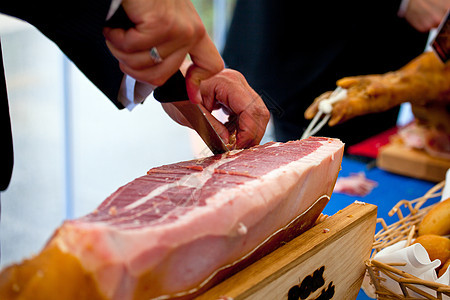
{"points": [[182, 227]]}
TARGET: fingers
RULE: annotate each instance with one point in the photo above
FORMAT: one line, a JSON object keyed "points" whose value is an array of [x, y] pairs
{"points": [[206, 63], [129, 40], [175, 29], [143, 59], [142, 66], [231, 90], [251, 129], [157, 22], [139, 64]]}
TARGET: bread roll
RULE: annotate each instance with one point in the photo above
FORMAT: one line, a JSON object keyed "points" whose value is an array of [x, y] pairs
{"points": [[444, 268], [437, 220], [438, 247]]}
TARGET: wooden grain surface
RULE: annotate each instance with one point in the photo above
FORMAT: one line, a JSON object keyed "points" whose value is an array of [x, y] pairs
{"points": [[399, 159], [334, 250]]}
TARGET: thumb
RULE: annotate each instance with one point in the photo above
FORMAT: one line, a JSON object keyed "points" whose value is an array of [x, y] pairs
{"points": [[206, 63]]}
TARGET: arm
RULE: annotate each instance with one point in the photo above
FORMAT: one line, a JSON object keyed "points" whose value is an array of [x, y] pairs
{"points": [[175, 29], [76, 27]]}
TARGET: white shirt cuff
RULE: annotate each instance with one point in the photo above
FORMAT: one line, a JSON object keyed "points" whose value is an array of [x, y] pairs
{"points": [[402, 9], [133, 92], [113, 8]]}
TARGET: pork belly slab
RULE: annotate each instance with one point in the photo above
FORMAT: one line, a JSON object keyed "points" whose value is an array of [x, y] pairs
{"points": [[182, 227]]}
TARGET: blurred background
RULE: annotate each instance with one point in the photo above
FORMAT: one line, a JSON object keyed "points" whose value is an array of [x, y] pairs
{"points": [[73, 148]]}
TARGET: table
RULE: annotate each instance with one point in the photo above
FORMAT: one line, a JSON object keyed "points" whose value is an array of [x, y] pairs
{"points": [[391, 189]]}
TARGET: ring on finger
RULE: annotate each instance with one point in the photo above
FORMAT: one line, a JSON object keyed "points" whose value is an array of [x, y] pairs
{"points": [[154, 54]]}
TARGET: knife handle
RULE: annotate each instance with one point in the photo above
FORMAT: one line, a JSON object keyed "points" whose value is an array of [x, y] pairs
{"points": [[174, 89]]}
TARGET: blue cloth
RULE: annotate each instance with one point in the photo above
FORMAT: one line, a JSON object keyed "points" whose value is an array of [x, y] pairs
{"points": [[391, 189]]}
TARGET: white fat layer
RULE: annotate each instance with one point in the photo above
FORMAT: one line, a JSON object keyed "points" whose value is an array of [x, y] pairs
{"points": [[195, 180], [274, 145]]}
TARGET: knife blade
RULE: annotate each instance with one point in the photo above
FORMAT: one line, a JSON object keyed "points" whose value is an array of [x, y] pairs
{"points": [[173, 92]]}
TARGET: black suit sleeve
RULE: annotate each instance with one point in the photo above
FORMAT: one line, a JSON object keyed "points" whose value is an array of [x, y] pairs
{"points": [[76, 27]]}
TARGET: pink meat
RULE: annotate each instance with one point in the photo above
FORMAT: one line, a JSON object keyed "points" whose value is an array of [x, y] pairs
{"points": [[355, 185], [182, 223]]}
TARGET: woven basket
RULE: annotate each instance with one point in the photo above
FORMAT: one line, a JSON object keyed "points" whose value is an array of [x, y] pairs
{"points": [[403, 229]]}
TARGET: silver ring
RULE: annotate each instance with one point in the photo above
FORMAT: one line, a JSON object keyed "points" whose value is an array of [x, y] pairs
{"points": [[154, 54]]}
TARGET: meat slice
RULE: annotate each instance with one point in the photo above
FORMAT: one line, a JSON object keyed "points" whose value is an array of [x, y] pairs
{"points": [[355, 185], [169, 233]]}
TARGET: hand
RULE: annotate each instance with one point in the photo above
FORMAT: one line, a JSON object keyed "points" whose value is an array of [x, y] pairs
{"points": [[248, 113], [175, 29], [424, 15]]}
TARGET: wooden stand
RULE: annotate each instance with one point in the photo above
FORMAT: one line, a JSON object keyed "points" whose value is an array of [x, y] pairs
{"points": [[327, 261], [401, 160]]}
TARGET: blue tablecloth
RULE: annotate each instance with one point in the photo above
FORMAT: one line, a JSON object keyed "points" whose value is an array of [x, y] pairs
{"points": [[391, 189]]}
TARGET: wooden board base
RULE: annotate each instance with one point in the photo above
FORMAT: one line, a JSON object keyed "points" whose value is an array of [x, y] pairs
{"points": [[326, 260], [399, 159]]}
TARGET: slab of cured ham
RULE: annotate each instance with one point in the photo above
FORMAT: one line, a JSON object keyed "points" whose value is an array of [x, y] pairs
{"points": [[182, 227]]}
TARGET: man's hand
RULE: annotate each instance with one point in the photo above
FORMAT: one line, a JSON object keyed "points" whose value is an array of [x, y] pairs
{"points": [[175, 29], [248, 113]]}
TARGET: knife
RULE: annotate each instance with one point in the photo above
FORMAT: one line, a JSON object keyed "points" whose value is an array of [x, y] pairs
{"points": [[441, 43], [174, 92]]}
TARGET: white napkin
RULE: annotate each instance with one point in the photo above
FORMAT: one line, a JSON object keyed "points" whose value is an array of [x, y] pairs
{"points": [[418, 263], [446, 189]]}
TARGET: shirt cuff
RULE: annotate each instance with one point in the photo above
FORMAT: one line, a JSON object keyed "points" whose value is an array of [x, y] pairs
{"points": [[133, 92], [402, 9], [113, 8]]}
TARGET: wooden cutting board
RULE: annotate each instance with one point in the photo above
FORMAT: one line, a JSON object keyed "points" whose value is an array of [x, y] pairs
{"points": [[326, 261], [397, 158]]}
